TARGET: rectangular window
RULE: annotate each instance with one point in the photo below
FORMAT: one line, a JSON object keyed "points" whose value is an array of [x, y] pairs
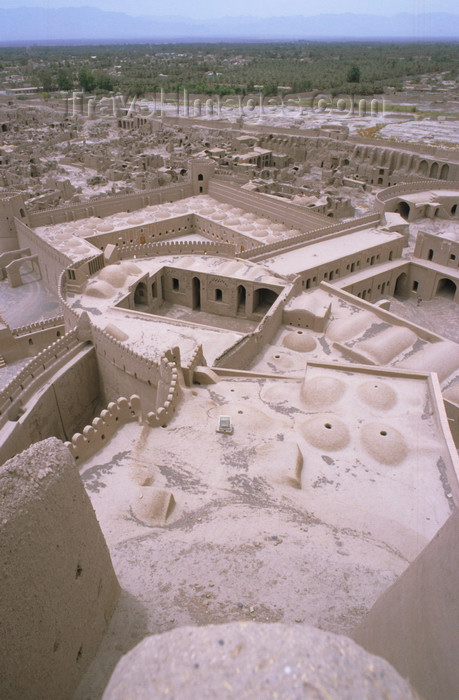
{"points": [[175, 284], [218, 295]]}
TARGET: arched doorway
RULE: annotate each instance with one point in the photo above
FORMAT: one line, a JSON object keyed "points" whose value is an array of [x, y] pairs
{"points": [[434, 170], [241, 299], [401, 286], [444, 172], [446, 288], [263, 299], [423, 167], [403, 208], [140, 294], [196, 293]]}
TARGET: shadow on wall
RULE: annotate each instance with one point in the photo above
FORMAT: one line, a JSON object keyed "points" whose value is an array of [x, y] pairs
{"points": [[128, 626]]}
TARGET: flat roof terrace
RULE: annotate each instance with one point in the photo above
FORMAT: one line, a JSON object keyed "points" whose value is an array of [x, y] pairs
{"points": [[326, 251]]}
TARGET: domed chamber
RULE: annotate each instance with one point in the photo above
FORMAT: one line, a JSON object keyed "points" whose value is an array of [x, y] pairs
{"points": [[326, 432], [99, 289], [114, 275], [377, 394], [384, 443], [320, 392], [130, 268], [299, 341]]}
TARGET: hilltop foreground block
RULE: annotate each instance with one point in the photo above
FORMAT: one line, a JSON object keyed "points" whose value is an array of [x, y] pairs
{"points": [[247, 660], [58, 587]]}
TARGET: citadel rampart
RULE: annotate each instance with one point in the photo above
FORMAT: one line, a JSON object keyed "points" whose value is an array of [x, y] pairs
{"points": [[25, 341], [53, 395]]}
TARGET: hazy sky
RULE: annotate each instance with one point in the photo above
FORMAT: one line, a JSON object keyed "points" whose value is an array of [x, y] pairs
{"points": [[260, 8]]}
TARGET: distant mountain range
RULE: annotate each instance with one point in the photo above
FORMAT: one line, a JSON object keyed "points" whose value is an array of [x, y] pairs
{"points": [[88, 24]]}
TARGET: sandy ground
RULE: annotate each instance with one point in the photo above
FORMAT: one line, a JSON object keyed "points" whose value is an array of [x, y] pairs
{"points": [[439, 315], [252, 535], [28, 303]]}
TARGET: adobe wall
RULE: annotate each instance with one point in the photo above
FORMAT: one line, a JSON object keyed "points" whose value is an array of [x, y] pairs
{"points": [[389, 199], [379, 282], [207, 291], [159, 231], [162, 248], [122, 371], [59, 406], [407, 280], [290, 215], [59, 589], [26, 341], [384, 315], [342, 267], [110, 205], [52, 262], [144, 233], [11, 206], [415, 623], [103, 427], [330, 231], [408, 148], [6, 258], [425, 279], [452, 411], [241, 354], [224, 234], [24, 384], [442, 251], [377, 161]]}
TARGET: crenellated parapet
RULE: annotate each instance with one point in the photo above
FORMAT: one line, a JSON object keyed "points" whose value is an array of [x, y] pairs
{"points": [[104, 426], [168, 398]]}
